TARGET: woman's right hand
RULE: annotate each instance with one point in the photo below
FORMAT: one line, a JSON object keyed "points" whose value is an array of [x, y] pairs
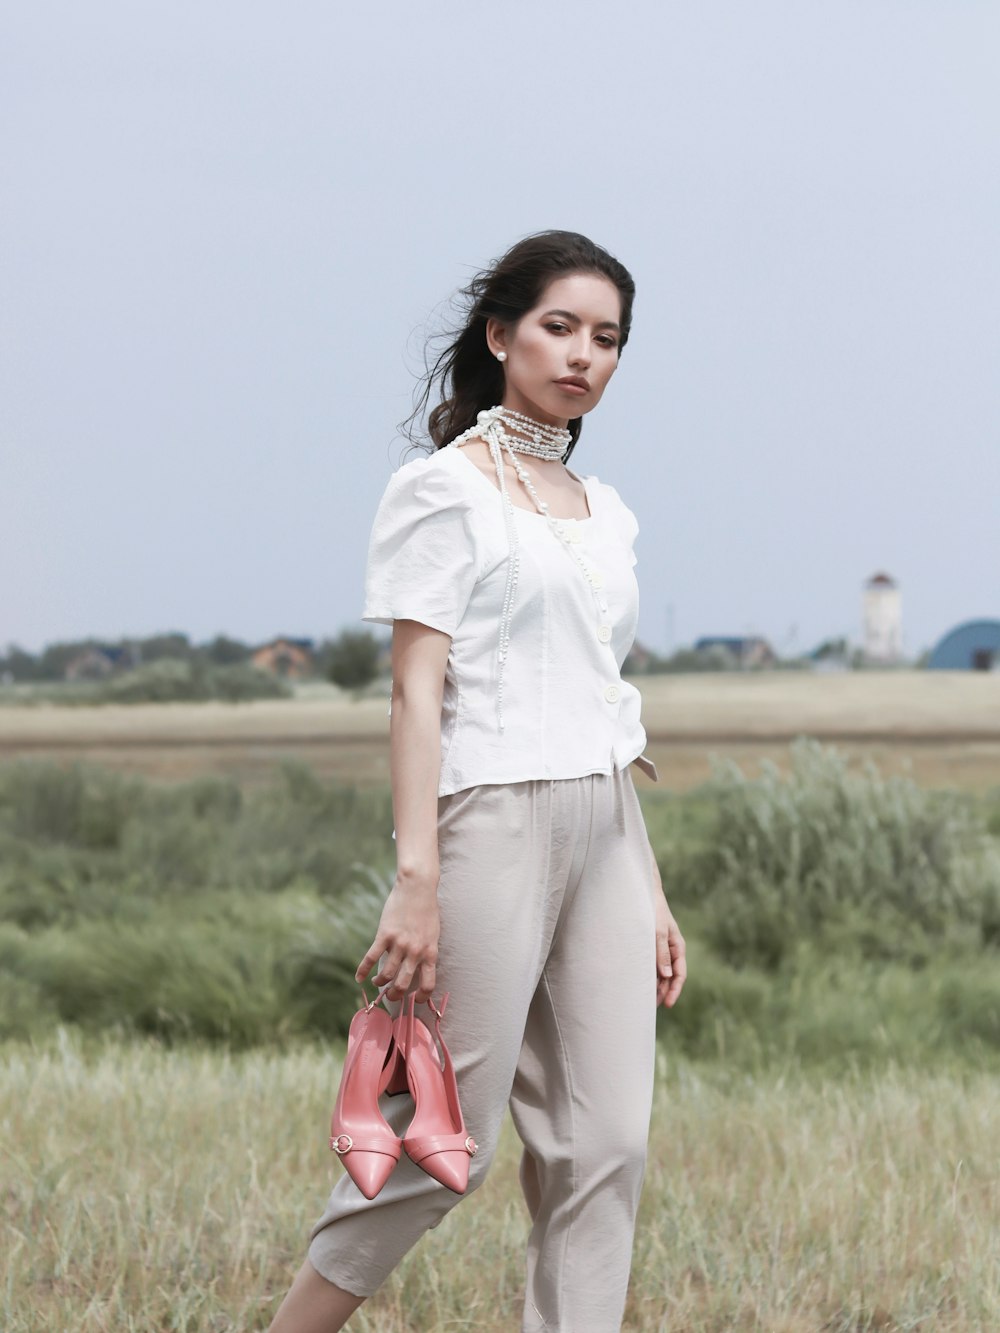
{"points": [[408, 932]]}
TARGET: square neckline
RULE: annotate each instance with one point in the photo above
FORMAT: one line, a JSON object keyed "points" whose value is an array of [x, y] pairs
{"points": [[533, 513]]}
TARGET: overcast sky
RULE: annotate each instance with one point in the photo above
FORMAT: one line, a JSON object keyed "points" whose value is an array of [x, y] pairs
{"points": [[227, 227]]}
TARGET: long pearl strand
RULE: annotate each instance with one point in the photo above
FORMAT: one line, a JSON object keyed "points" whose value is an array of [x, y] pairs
{"points": [[548, 442]]}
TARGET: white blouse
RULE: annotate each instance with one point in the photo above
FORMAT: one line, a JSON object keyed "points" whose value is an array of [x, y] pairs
{"points": [[438, 554]]}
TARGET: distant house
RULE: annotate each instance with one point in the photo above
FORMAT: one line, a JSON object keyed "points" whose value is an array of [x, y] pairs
{"points": [[750, 651], [830, 655], [291, 659], [92, 663], [972, 646]]}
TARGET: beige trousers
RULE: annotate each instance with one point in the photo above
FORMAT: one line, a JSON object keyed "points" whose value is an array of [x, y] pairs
{"points": [[547, 949]]}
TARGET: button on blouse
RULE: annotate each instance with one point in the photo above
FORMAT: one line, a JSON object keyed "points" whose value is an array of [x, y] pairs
{"points": [[438, 554]]}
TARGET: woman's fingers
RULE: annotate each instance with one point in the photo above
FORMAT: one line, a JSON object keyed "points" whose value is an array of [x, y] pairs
{"points": [[407, 941], [398, 971], [427, 982], [370, 959], [674, 987], [407, 938], [412, 967], [678, 965], [387, 972], [671, 960], [402, 978]]}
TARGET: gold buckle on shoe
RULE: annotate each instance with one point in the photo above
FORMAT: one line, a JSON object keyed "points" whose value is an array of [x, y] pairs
{"points": [[471, 1146], [335, 1144]]}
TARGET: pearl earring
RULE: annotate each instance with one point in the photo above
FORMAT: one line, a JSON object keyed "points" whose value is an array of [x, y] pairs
{"points": [[501, 356]]}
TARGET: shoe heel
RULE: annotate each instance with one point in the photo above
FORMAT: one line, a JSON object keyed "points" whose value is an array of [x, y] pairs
{"points": [[394, 1073], [437, 1140]]}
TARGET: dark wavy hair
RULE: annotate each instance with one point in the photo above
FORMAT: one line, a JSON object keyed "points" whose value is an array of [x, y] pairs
{"points": [[467, 376]]}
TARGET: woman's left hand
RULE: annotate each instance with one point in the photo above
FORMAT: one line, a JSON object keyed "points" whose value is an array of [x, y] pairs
{"points": [[671, 962]]}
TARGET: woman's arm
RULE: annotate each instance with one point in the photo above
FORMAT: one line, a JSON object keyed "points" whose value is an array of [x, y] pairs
{"points": [[409, 927]]}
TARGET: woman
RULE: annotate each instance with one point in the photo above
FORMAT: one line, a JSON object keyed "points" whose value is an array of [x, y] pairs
{"points": [[526, 886]]}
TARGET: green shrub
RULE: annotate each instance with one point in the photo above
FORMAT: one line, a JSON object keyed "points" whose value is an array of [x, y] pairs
{"points": [[326, 955], [831, 918], [82, 804], [241, 970], [26, 1012], [166, 679], [827, 1008], [70, 837], [862, 862], [171, 680], [352, 660], [194, 910]]}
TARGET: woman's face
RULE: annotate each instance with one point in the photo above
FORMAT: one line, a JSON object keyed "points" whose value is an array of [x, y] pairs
{"points": [[561, 354]]}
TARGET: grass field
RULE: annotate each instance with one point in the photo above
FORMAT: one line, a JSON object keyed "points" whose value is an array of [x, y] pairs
{"points": [[147, 1190], [942, 727], [827, 1163]]}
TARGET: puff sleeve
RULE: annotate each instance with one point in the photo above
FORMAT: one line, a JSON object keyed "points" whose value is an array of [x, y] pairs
{"points": [[423, 556]]}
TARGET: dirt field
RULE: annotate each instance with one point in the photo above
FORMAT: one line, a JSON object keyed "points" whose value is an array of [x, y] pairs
{"points": [[942, 727]]}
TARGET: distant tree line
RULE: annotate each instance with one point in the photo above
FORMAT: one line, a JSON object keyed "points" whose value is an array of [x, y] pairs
{"points": [[170, 665], [351, 659], [127, 653], [717, 657], [831, 652]]}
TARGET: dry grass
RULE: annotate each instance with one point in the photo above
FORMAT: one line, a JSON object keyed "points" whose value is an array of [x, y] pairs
{"points": [[942, 727], [920, 704], [967, 766], [148, 1190]]}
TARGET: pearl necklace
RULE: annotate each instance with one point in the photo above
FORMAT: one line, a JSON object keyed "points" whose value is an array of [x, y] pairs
{"points": [[548, 442]]}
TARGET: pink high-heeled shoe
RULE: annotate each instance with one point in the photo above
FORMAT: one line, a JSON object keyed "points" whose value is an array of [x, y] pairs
{"points": [[359, 1134], [437, 1139]]}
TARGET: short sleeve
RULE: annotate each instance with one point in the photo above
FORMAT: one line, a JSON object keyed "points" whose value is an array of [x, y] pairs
{"points": [[626, 521], [423, 556]]}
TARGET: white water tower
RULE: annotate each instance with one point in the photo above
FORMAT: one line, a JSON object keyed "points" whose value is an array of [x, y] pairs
{"points": [[883, 620]]}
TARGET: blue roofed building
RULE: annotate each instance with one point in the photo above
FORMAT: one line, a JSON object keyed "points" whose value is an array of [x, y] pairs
{"points": [[972, 646]]}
